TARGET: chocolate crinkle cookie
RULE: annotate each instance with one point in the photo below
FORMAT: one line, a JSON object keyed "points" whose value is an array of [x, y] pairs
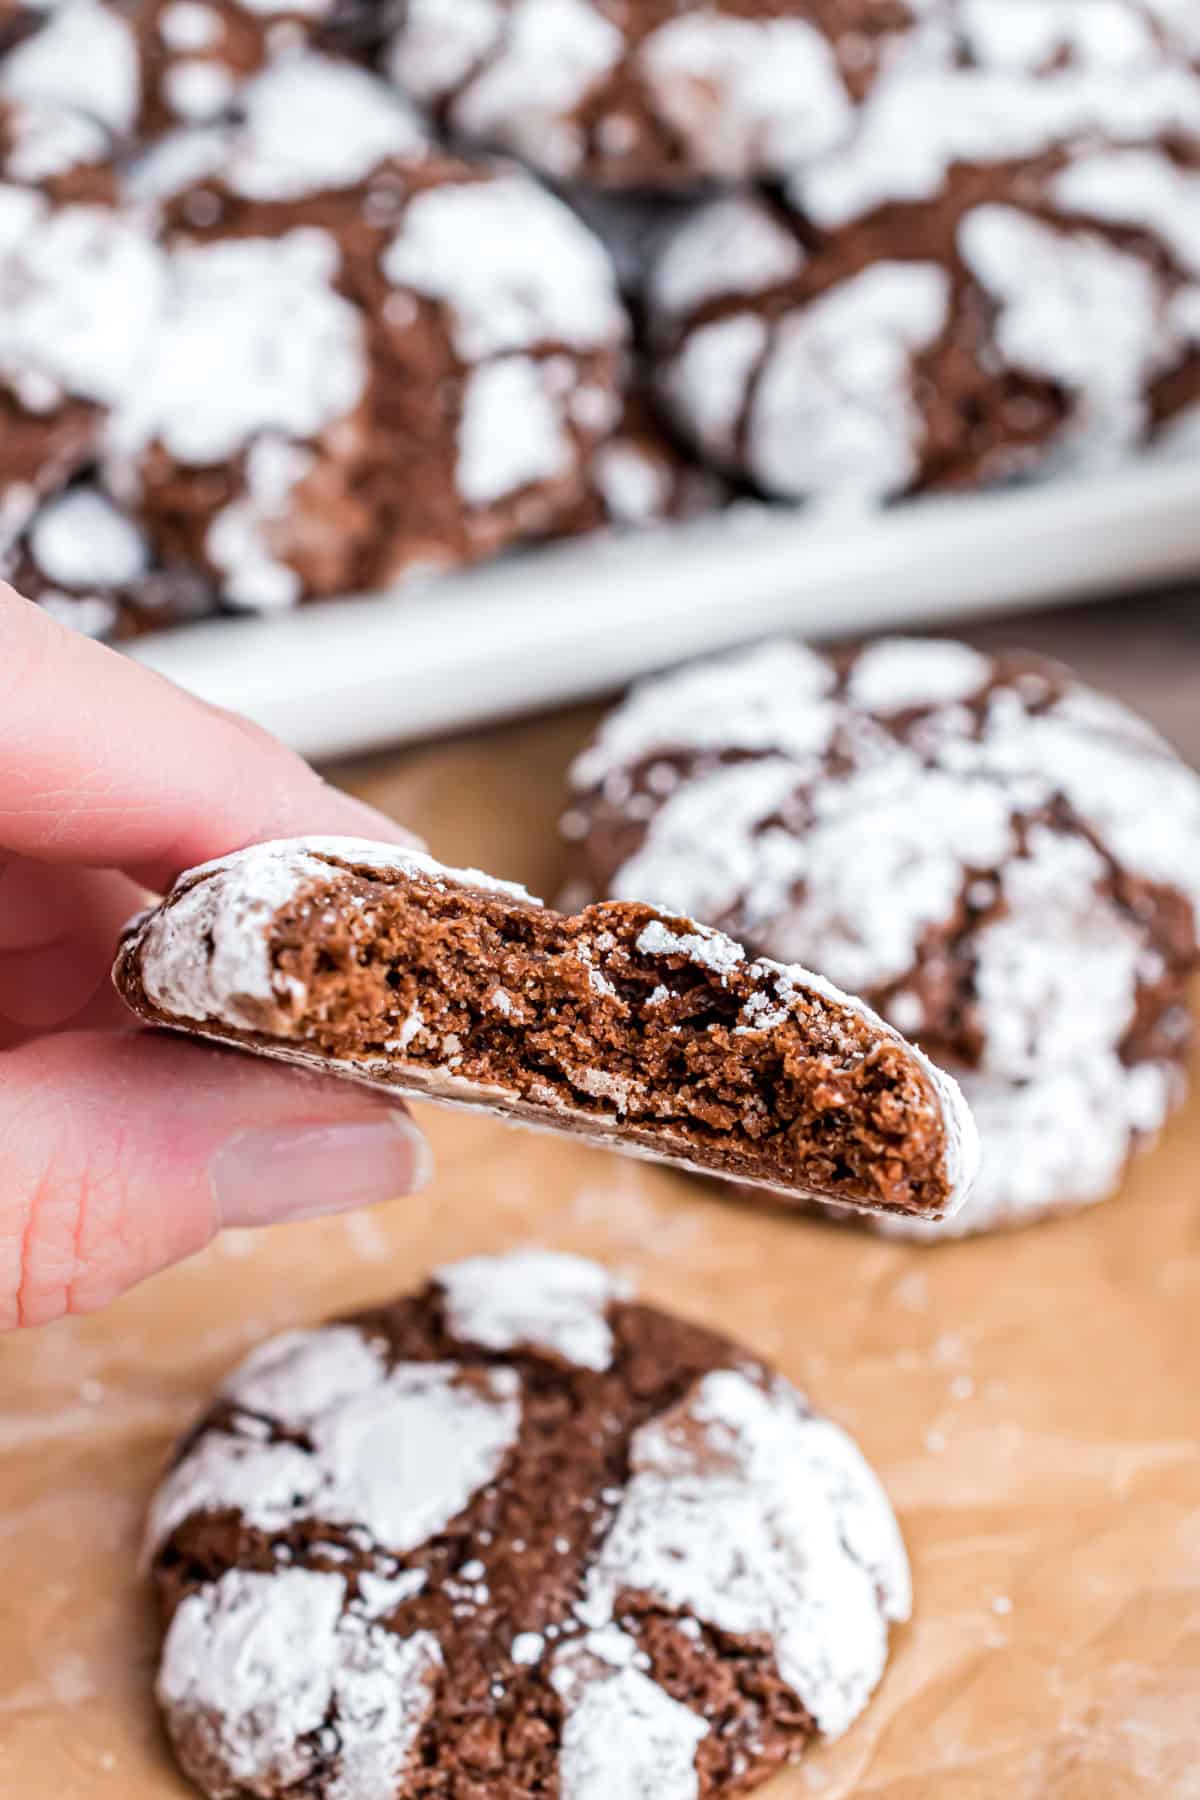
{"points": [[515, 1535], [1004, 862], [632, 1028], [997, 274], [375, 359], [81, 284], [649, 93]]}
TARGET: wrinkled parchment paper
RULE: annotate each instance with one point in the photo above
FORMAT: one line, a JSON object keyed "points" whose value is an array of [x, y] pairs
{"points": [[1032, 1403]]}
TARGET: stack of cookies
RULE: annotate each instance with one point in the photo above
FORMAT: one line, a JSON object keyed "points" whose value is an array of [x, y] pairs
{"points": [[1005, 863], [288, 326]]}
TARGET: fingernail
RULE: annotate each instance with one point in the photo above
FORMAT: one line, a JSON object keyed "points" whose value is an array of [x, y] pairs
{"points": [[268, 1175]]}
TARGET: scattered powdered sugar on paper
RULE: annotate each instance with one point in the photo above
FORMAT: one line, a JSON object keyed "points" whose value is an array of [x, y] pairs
{"points": [[746, 96], [835, 408], [533, 1299], [253, 1664], [623, 1736], [513, 265], [400, 1453], [204, 953], [744, 1512]]}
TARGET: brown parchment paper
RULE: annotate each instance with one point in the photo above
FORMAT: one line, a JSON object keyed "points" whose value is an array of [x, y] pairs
{"points": [[1032, 1402]]}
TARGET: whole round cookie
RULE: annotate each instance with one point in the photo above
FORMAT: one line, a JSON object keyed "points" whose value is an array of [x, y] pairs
{"points": [[145, 66], [81, 282], [649, 93], [1005, 863], [377, 359], [998, 274], [516, 1535]]}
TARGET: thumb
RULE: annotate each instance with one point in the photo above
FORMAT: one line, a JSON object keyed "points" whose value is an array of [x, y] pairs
{"points": [[121, 1152]]}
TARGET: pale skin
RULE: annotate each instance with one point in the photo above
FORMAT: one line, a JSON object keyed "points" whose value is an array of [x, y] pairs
{"points": [[123, 1150]]}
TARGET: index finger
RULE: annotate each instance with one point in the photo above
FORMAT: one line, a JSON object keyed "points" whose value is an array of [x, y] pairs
{"points": [[109, 765]]}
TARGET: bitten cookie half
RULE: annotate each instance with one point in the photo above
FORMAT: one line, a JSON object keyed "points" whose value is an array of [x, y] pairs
{"points": [[515, 1535], [626, 1025]]}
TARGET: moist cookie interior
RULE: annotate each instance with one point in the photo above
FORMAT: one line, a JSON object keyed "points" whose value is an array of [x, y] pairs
{"points": [[570, 1013]]}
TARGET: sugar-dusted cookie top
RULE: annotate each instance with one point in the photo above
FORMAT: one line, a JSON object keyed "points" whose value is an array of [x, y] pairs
{"points": [[518, 1534]]}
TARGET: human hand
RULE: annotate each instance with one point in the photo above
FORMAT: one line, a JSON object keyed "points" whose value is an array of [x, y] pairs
{"points": [[123, 1150]]}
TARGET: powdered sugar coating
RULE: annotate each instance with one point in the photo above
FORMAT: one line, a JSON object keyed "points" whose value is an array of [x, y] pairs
{"points": [[80, 537], [623, 1736], [396, 1452], [635, 97], [536, 1299], [746, 95], [84, 55], [513, 266], [83, 289], [271, 151], [256, 1662], [936, 851], [746, 1513], [291, 1663], [205, 954]]}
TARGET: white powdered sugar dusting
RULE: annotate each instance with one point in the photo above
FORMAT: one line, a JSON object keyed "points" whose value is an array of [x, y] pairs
{"points": [[80, 538], [204, 954], [706, 382], [709, 949], [746, 96], [533, 1299], [551, 54], [1075, 310], [1141, 188], [83, 290], [623, 1736], [765, 698], [255, 339], [253, 1664], [512, 433], [399, 1454], [439, 42], [1055, 1143], [274, 153], [46, 140], [240, 541], [834, 408], [897, 673], [513, 265], [732, 245], [84, 55], [746, 1513], [927, 114]]}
